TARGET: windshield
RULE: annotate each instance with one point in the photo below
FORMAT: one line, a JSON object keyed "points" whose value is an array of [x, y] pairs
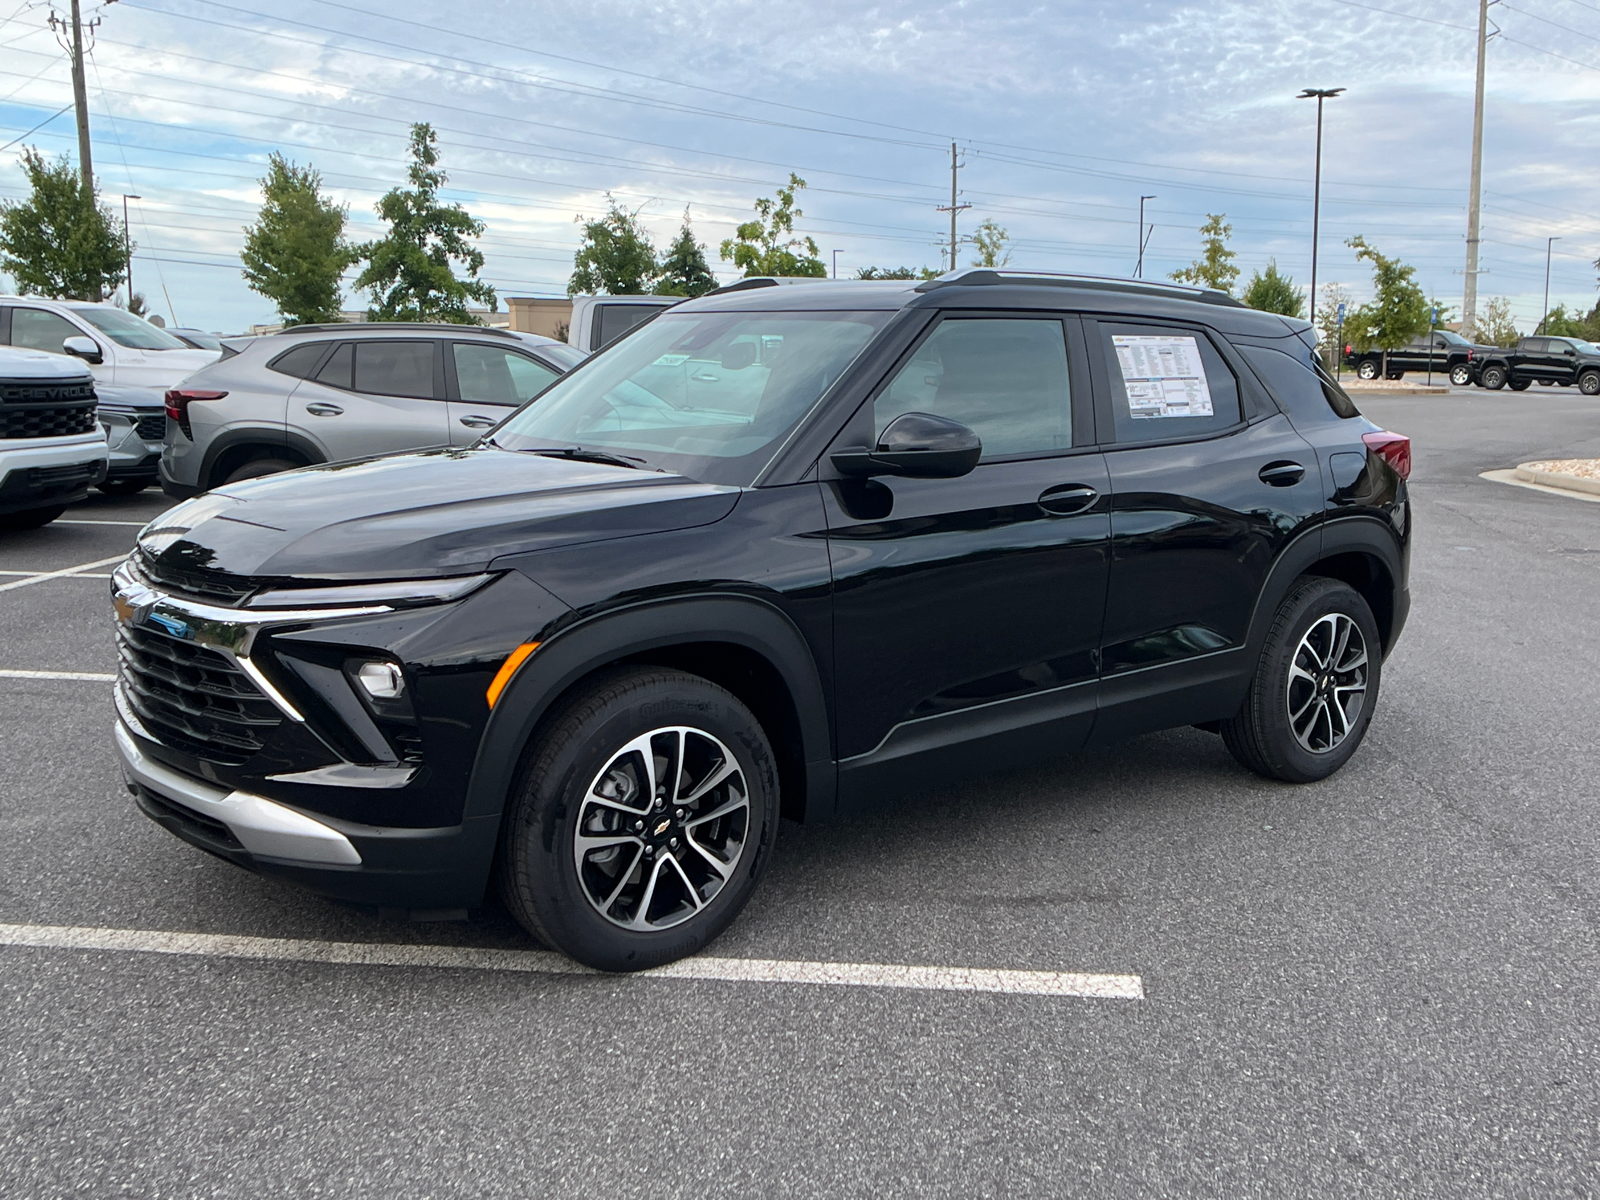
{"points": [[125, 329], [199, 339], [708, 395], [1579, 345]]}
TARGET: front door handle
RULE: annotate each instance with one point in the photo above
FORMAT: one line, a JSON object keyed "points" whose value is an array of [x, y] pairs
{"points": [[321, 409], [479, 422], [1067, 499], [1282, 473]]}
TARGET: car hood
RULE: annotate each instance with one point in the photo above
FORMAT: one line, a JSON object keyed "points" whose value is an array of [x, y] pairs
{"points": [[122, 398], [430, 513]]}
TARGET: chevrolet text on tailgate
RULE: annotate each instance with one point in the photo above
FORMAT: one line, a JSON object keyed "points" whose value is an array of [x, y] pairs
{"points": [[779, 552]]}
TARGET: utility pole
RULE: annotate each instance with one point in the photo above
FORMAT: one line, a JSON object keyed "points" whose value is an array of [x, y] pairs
{"points": [[1138, 266], [80, 100], [127, 244], [1545, 315], [953, 208], [1469, 301], [1319, 94]]}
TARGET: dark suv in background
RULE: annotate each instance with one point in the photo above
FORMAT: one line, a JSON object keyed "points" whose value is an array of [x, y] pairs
{"points": [[779, 551], [1545, 360]]}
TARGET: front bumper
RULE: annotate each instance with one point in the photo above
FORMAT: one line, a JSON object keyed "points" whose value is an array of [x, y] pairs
{"points": [[44, 472]]}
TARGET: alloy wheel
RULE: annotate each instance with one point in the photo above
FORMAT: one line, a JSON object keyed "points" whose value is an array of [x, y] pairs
{"points": [[1327, 683], [661, 828], [1460, 376]]}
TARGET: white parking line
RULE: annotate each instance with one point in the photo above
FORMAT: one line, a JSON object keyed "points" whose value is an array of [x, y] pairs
{"points": [[733, 970], [65, 571], [129, 524], [74, 575], [86, 676]]}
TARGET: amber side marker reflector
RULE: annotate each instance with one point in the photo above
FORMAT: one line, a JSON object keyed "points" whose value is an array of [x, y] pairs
{"points": [[508, 669]]}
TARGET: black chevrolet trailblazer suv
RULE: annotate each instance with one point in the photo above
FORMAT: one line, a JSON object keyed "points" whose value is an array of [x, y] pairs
{"points": [[781, 551]]}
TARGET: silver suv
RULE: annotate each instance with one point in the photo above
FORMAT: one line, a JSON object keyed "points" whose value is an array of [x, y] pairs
{"points": [[327, 393]]}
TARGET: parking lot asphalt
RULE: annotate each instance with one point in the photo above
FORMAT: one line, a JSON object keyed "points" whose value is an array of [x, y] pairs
{"points": [[1381, 984]]}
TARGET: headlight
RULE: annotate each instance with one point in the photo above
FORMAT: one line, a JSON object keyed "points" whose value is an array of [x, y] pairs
{"points": [[407, 593]]}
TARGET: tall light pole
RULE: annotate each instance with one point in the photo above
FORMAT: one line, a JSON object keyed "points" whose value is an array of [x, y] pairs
{"points": [[836, 264], [1318, 94], [1544, 315], [1138, 266], [127, 244]]}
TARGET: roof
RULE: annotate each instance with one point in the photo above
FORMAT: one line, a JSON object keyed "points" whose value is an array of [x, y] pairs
{"points": [[370, 328]]}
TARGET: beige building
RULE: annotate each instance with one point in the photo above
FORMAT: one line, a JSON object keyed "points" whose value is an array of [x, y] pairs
{"points": [[533, 315]]}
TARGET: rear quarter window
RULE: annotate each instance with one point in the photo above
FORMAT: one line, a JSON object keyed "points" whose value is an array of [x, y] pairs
{"points": [[1300, 382], [299, 361]]}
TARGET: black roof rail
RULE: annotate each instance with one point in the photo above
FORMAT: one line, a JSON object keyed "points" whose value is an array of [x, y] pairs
{"points": [[379, 326], [992, 277], [766, 281]]}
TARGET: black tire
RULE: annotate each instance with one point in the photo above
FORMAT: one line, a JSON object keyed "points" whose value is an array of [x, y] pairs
{"points": [[1367, 369], [256, 468], [1589, 383], [124, 487], [31, 518], [1264, 735], [1493, 378], [583, 746], [1521, 385], [1460, 376]]}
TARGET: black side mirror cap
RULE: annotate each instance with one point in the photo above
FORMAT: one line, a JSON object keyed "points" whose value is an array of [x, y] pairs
{"points": [[917, 446], [82, 347]]}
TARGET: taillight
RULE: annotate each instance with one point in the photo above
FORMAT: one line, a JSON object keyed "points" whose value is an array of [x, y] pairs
{"points": [[178, 406], [1469, 355], [1348, 348], [1393, 448]]}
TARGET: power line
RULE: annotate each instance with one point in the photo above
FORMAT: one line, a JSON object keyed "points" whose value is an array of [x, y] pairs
{"points": [[37, 127]]}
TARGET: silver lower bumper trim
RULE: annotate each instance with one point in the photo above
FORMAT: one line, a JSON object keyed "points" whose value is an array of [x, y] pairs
{"points": [[262, 826]]}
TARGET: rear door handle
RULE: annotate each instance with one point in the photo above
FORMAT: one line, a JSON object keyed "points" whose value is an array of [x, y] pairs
{"points": [[321, 409], [1067, 499], [1282, 473], [479, 422]]}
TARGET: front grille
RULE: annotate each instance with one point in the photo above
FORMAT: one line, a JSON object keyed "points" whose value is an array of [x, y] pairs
{"points": [[216, 587], [45, 393], [151, 429], [192, 698], [208, 831], [47, 422]]}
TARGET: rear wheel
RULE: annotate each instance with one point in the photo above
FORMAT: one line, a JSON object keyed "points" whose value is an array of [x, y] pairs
{"points": [[642, 820], [31, 518], [1367, 369], [1521, 385], [124, 487], [260, 467], [1589, 383], [1460, 376], [1315, 687], [1494, 378]]}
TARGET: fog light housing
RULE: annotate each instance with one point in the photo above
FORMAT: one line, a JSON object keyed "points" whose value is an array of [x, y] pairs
{"points": [[381, 680]]}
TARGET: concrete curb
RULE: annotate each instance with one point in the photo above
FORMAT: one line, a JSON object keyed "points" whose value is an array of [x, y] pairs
{"points": [[1572, 483], [1510, 477], [1398, 386]]}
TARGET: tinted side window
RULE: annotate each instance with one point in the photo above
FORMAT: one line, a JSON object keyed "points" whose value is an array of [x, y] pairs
{"points": [[1535, 345], [336, 371], [1004, 378], [395, 369], [611, 321], [35, 329], [490, 375], [300, 361], [1167, 382], [1298, 385]]}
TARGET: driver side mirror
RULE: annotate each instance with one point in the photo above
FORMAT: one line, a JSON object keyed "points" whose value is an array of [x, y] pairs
{"points": [[82, 347], [917, 446]]}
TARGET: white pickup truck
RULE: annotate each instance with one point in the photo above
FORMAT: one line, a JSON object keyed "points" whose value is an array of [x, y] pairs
{"points": [[52, 449], [123, 349]]}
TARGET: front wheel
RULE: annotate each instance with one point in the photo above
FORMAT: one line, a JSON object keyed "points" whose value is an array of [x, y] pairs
{"points": [[1589, 383], [124, 487], [1315, 687], [1460, 376], [642, 821], [31, 518], [1494, 378]]}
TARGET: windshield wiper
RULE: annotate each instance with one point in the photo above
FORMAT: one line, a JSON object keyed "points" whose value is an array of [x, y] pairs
{"points": [[579, 454]]}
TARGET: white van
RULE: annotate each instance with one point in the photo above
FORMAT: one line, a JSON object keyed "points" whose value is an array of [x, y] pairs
{"points": [[120, 347], [52, 449]]}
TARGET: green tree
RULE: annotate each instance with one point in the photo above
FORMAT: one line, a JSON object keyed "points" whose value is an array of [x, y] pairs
{"points": [[1214, 269], [684, 270], [1330, 336], [766, 246], [60, 242], [990, 240], [616, 257], [1494, 326], [897, 273], [1558, 322], [1399, 310], [409, 271], [296, 252], [1272, 292]]}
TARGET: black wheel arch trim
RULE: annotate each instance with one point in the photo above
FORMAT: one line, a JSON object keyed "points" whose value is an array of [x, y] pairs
{"points": [[618, 634], [265, 437]]}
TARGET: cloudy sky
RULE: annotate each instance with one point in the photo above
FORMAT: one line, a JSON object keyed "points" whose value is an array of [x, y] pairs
{"points": [[1063, 114]]}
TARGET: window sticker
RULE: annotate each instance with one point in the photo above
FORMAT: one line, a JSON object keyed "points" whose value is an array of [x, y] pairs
{"points": [[1164, 376]]}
